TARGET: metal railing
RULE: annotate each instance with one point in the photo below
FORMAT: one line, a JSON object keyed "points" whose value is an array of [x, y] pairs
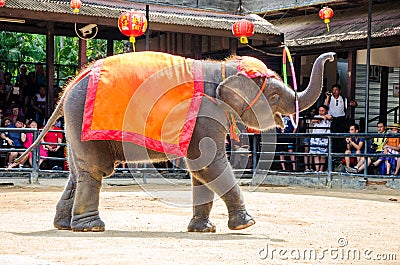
{"points": [[257, 156]]}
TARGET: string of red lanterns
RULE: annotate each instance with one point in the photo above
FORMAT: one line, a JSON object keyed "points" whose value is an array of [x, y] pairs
{"points": [[132, 24], [326, 14], [75, 5]]}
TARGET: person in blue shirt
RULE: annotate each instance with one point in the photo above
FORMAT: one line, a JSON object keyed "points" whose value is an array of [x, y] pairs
{"points": [[354, 144], [13, 138]]}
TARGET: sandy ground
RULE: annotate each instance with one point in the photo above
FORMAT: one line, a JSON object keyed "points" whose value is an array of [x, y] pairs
{"points": [[294, 226]]}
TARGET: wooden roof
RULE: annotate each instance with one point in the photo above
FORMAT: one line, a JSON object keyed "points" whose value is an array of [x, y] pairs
{"points": [[105, 15], [348, 28]]}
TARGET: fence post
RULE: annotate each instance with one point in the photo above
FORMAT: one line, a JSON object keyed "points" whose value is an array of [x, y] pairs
{"points": [[330, 160], [35, 165], [254, 154]]}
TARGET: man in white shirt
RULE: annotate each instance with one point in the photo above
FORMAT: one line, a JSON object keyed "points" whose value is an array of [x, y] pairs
{"points": [[338, 107]]}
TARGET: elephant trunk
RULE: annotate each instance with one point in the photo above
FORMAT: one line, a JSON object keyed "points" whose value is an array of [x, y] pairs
{"points": [[311, 94]]}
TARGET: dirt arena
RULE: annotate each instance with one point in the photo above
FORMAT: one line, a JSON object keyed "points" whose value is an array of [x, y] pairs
{"points": [[293, 226]]}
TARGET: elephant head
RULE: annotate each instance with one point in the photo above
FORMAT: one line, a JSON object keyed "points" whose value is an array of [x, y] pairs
{"points": [[260, 100]]}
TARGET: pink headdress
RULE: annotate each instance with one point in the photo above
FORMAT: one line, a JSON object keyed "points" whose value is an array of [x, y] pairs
{"points": [[252, 68]]}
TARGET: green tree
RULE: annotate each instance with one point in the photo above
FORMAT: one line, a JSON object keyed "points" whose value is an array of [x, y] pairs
{"points": [[17, 48]]}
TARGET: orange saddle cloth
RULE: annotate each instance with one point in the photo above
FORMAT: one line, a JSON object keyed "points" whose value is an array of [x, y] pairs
{"points": [[148, 98]]}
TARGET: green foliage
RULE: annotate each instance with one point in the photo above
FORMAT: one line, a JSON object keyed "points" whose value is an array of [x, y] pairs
{"points": [[17, 48]]}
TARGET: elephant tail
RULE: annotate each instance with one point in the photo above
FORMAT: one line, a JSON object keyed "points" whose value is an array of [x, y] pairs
{"points": [[57, 113]]}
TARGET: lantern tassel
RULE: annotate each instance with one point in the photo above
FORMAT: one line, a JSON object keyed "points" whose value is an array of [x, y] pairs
{"points": [[327, 23], [243, 40], [133, 40], [76, 11]]}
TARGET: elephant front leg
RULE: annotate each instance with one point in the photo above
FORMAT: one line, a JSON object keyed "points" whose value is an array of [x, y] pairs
{"points": [[202, 203], [219, 177], [85, 213], [62, 219]]}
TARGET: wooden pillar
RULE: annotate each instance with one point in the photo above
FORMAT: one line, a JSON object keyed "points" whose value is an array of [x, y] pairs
{"points": [[82, 60], [147, 48], [297, 69], [351, 80], [197, 45], [110, 47], [233, 43], [166, 48], [383, 103], [50, 68]]}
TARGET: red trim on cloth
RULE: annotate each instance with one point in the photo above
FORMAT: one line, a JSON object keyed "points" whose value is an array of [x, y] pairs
{"points": [[135, 114], [88, 134], [198, 76]]}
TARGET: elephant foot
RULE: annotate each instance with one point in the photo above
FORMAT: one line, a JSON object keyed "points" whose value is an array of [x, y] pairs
{"points": [[89, 222], [240, 220], [201, 224], [62, 224], [62, 219]]}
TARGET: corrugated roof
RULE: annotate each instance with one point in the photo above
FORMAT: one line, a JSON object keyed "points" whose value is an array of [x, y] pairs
{"points": [[158, 14], [346, 25]]}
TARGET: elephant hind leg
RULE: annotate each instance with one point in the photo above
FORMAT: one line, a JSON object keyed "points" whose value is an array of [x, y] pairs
{"points": [[85, 212], [62, 219]]}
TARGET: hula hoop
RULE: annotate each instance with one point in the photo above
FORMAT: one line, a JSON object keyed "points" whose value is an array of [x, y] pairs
{"points": [[286, 54]]}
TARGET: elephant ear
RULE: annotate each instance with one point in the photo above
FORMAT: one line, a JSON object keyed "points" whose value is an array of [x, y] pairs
{"points": [[236, 91]]}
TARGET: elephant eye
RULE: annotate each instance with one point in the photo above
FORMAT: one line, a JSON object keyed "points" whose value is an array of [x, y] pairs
{"points": [[273, 99]]}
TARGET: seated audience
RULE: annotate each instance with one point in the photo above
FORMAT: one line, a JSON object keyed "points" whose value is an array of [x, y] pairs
{"points": [[354, 144], [13, 138], [392, 146], [27, 139], [376, 147], [55, 136]]}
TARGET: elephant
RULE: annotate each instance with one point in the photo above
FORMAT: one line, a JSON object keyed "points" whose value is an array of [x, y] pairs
{"points": [[226, 89]]}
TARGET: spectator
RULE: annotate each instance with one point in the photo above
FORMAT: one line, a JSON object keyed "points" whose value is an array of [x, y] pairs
{"points": [[29, 89], [392, 146], [41, 100], [1, 115], [354, 144], [22, 79], [321, 124], [286, 143], [376, 147], [3, 95], [40, 76], [13, 95], [55, 136], [8, 85], [304, 127], [32, 109], [15, 113], [338, 109], [27, 139], [240, 156], [13, 138]]}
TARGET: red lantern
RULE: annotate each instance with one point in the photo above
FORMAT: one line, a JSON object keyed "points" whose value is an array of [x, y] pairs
{"points": [[326, 14], [2, 3], [243, 29], [132, 24], [75, 4]]}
